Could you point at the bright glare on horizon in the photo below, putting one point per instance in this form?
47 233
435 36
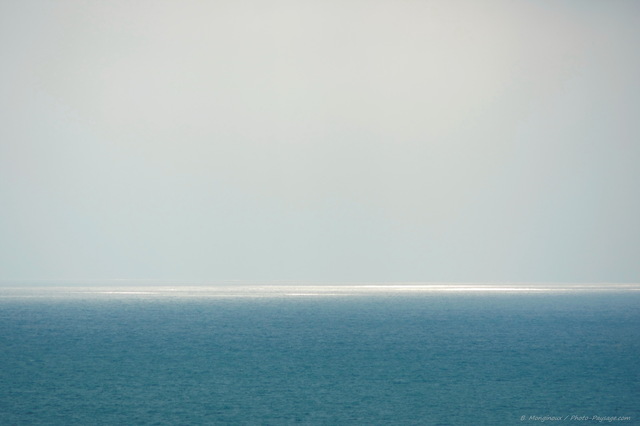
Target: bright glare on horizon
245 291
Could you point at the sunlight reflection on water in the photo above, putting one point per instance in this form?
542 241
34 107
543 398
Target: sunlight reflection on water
294 290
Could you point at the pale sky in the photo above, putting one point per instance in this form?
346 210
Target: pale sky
484 141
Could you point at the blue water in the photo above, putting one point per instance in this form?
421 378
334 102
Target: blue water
428 359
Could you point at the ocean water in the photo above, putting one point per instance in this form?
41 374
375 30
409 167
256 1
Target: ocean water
325 355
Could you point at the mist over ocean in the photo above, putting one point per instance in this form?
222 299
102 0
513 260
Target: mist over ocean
311 354
336 141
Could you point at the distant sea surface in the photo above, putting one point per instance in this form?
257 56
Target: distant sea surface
325 355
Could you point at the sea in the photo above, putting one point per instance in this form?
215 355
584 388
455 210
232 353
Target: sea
170 353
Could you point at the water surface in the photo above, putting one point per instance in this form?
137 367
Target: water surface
296 354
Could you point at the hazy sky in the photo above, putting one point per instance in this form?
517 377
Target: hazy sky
320 140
